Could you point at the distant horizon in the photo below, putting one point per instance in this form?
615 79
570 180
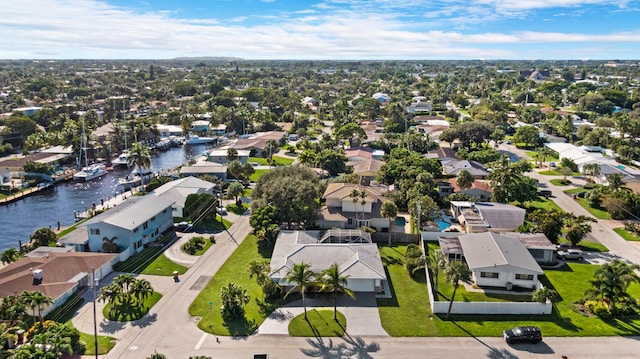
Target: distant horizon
321 29
230 58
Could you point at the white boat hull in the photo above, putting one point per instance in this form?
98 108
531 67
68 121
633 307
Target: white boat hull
90 173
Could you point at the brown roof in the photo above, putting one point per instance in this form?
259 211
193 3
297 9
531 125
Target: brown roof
370 165
342 191
476 184
58 272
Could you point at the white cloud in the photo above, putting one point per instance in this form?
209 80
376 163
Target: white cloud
94 29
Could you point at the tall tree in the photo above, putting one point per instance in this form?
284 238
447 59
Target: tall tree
140 156
232 154
301 276
10 255
464 179
234 298
611 281
455 272
332 282
260 271
389 211
438 262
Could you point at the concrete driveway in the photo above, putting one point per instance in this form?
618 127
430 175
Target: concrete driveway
361 314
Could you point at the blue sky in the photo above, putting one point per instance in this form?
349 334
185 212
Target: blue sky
320 29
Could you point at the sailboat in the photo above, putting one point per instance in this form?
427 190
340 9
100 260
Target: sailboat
123 158
89 172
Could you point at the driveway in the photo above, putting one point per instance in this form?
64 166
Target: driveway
361 314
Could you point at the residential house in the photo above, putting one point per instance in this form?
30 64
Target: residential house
364 162
256 144
178 191
205 168
54 273
220 155
479 191
343 211
134 223
200 126
357 258
495 260
477 217
169 130
383 98
453 167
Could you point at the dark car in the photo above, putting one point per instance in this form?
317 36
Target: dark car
528 334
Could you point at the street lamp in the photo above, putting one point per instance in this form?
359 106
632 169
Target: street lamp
95 321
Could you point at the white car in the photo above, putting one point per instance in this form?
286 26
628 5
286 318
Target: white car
570 254
221 210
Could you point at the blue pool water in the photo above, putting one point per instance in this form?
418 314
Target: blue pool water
442 225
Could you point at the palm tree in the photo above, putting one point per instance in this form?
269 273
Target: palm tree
141 289
9 256
438 262
12 308
544 154
332 282
616 182
232 154
354 198
35 300
140 156
302 276
545 294
8 336
591 169
110 294
125 281
260 271
389 211
611 280
456 271
109 245
234 298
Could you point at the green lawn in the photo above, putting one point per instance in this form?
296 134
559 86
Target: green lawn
628 236
408 312
257 174
104 344
559 182
219 224
70 229
592 246
164 266
130 310
541 203
319 323
596 212
204 249
235 270
575 190
277 161
445 290
239 210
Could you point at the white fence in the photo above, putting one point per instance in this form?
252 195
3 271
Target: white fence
440 307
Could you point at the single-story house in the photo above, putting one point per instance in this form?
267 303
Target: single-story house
488 216
220 155
454 167
55 274
178 191
359 260
205 168
479 190
496 260
200 126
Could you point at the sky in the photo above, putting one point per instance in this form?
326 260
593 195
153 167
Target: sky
320 29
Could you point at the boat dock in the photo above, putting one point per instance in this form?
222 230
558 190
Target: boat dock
25 193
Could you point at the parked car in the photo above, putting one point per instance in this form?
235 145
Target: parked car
183 226
544 193
570 254
508 142
563 246
553 165
529 334
222 210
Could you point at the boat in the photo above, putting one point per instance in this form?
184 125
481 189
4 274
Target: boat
197 140
121 160
135 178
90 173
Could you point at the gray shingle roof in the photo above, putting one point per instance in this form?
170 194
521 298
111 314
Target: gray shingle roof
486 250
133 212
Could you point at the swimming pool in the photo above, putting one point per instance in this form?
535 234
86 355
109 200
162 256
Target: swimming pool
442 225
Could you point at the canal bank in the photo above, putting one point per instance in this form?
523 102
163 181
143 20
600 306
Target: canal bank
18 220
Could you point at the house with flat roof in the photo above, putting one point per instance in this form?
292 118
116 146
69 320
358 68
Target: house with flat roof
477 217
220 155
352 251
178 191
205 168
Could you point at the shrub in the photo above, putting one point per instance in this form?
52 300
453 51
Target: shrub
194 244
597 308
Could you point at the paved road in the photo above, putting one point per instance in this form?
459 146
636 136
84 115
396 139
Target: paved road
601 230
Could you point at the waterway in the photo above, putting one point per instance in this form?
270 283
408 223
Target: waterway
19 219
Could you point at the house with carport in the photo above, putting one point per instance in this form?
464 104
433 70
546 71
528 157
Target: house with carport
178 191
352 250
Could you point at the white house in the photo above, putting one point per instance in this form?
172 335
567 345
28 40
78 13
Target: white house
220 155
134 223
200 126
178 191
488 216
500 261
360 261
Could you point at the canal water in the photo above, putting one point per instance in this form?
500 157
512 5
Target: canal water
19 219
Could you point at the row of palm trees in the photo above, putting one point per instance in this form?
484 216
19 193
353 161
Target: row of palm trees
329 281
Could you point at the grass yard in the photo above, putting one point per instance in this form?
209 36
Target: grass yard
257 174
220 224
408 312
130 310
589 246
277 161
319 323
559 182
235 270
239 210
104 344
574 190
204 249
541 203
164 266
445 290
626 235
596 212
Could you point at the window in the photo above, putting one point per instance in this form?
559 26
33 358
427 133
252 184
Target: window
524 276
136 229
153 218
164 210
95 230
489 275
145 225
